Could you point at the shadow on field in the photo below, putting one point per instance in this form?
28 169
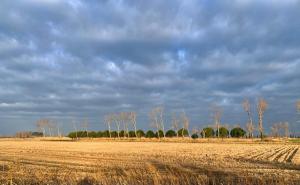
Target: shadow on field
271 164
219 176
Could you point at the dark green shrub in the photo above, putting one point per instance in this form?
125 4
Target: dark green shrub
131 133
72 135
140 133
81 134
183 133
195 136
150 134
223 132
159 134
122 133
237 132
99 134
114 134
208 132
37 134
171 133
92 134
105 133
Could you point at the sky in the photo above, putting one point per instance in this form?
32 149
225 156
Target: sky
75 60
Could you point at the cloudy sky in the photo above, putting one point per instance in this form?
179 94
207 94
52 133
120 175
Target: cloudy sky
78 59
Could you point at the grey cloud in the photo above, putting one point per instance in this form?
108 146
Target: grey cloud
78 59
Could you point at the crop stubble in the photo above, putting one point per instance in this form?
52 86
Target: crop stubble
149 162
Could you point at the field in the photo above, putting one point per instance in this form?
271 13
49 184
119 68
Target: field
113 162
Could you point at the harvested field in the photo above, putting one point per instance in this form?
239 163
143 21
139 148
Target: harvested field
55 162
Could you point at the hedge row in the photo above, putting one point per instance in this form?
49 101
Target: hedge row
206 132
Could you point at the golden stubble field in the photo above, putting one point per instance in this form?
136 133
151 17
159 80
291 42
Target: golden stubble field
112 162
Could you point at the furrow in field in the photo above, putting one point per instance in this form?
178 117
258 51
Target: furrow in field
285 156
249 153
258 155
295 157
271 155
280 154
276 154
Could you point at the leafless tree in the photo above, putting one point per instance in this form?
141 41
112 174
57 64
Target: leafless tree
217 113
262 105
85 125
50 125
56 126
160 111
117 120
75 128
154 122
275 129
185 123
124 120
47 124
108 119
280 129
175 123
58 131
203 133
24 134
132 117
285 127
250 126
41 125
157 119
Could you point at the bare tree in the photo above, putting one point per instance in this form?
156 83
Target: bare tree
203 133
124 120
280 129
250 126
154 120
58 131
275 129
185 123
160 111
217 113
157 120
85 125
285 127
262 105
47 124
132 117
175 123
127 121
41 126
117 119
108 119
50 125
75 128
56 126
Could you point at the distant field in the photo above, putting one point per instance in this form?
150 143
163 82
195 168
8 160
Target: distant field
85 162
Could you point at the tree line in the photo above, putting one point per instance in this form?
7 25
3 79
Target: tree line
124 125
207 132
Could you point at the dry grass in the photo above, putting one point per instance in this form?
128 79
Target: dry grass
95 162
